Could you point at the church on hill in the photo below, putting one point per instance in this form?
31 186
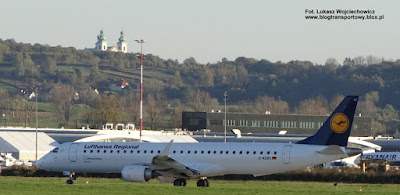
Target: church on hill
101 44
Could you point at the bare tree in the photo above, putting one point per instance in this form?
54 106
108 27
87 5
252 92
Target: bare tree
373 60
62 98
88 96
360 60
130 104
199 100
389 113
108 110
367 107
30 109
266 103
317 105
4 98
377 128
335 101
176 117
372 96
89 115
154 108
331 61
19 104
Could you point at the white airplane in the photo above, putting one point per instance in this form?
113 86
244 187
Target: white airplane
393 158
177 162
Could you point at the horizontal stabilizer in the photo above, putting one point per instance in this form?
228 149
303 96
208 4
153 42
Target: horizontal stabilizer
331 150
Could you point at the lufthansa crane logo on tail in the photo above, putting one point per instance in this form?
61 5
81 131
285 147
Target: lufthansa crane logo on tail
339 123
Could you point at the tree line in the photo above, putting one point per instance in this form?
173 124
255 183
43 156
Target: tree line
253 86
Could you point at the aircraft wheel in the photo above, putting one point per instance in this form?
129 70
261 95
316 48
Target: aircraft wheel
180 182
207 183
183 182
69 181
177 182
203 183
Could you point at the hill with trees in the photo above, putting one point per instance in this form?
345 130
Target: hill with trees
79 87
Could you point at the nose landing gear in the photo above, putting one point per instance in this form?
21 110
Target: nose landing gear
71 178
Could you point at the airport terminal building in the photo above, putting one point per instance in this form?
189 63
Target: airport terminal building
266 123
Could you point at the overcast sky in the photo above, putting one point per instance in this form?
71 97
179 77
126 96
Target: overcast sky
209 30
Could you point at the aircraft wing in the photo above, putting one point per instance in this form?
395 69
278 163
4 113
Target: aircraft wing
167 166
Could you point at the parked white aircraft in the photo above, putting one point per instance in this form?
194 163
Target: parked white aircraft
393 158
177 162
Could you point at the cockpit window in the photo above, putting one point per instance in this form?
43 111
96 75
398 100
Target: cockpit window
55 150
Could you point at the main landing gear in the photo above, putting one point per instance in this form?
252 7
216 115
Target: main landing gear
180 182
203 182
71 178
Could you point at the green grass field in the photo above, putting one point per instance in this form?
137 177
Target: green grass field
8 87
30 185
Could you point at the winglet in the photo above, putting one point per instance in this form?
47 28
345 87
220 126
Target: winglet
167 149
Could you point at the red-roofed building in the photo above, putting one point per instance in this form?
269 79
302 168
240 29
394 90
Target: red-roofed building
118 85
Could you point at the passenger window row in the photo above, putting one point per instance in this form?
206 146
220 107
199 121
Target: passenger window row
223 152
181 152
118 151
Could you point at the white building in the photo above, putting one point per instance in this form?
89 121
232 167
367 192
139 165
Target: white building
102 44
22 145
122 45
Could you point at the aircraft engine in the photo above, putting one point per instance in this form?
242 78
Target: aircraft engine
137 173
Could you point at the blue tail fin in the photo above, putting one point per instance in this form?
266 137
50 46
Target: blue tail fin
336 129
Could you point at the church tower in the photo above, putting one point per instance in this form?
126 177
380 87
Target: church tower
122 44
101 44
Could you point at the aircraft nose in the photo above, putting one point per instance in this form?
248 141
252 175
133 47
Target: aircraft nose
41 162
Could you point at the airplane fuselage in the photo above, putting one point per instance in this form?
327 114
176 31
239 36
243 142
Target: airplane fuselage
210 159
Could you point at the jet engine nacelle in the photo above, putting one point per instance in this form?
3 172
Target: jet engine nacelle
137 173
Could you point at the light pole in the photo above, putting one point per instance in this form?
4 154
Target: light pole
225 98
141 41
36 125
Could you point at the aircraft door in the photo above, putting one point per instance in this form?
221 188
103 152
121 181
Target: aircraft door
73 152
286 154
